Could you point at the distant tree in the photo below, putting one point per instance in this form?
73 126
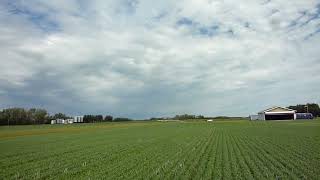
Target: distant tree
99 118
314 109
31 115
120 119
108 118
184 117
300 108
92 118
15 116
60 116
156 118
21 116
41 116
310 107
87 119
200 117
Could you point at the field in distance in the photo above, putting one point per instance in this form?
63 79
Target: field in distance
162 150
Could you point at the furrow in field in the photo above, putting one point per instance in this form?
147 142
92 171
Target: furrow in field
170 166
180 163
290 159
241 171
210 166
72 161
217 172
256 157
246 155
91 157
136 171
35 162
273 156
76 162
246 170
169 153
125 162
234 163
303 149
182 167
157 171
42 154
297 146
269 167
227 168
185 165
203 162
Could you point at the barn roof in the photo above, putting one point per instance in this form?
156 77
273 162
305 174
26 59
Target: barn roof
276 108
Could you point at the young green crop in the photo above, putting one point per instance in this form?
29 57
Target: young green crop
162 150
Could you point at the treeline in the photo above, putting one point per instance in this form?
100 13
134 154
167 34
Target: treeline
99 118
21 116
187 116
121 119
195 117
180 117
96 118
309 107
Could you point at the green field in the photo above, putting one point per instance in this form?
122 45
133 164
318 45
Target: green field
162 150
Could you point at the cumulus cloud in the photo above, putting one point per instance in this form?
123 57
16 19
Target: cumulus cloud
141 58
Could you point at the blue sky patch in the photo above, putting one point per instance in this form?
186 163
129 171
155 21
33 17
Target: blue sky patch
40 20
185 21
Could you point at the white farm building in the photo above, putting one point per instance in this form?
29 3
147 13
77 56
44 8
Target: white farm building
76 119
275 113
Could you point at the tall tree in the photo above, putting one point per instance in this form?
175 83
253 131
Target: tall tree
41 116
310 107
108 118
60 116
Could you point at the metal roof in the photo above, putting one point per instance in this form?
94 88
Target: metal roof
275 107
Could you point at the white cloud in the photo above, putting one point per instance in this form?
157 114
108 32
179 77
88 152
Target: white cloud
133 58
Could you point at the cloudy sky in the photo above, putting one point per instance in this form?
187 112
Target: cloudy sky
144 58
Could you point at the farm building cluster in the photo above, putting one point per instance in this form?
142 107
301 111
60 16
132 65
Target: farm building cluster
76 119
280 113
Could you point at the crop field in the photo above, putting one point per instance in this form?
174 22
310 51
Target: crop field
162 150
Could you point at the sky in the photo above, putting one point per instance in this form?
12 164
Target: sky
146 58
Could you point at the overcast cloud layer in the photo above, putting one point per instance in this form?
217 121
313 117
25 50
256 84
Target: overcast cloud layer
144 58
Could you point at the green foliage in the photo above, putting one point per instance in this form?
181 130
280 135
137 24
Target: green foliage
310 107
108 118
20 116
153 150
187 116
60 116
155 118
92 118
40 116
121 119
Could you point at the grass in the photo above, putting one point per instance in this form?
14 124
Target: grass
162 150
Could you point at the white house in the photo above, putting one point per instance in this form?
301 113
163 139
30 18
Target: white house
275 113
